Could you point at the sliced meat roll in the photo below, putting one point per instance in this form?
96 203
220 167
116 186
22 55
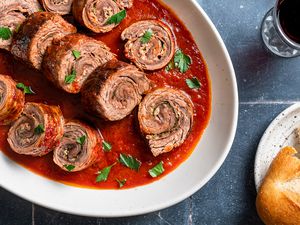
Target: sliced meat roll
150 44
114 90
36 34
124 3
79 148
166 118
12 100
37 131
62 7
69 61
94 14
12 14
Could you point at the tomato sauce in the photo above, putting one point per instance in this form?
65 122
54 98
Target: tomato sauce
124 135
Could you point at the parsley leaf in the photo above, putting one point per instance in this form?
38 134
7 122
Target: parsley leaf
182 61
117 18
26 89
103 174
193 83
121 182
106 146
5 33
147 36
157 170
69 79
39 129
69 167
81 140
76 54
130 162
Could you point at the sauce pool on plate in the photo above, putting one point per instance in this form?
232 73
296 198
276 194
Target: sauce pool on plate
124 135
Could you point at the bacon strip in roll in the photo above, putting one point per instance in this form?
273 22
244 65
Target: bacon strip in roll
12 100
37 131
12 14
36 34
114 90
69 61
94 14
62 7
150 44
79 148
166 118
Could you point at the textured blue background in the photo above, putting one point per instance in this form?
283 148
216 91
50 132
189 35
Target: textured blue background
267 85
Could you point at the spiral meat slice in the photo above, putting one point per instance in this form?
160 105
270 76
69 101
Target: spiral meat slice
114 90
124 3
77 54
79 148
37 131
94 14
166 118
62 7
12 100
150 44
12 14
36 34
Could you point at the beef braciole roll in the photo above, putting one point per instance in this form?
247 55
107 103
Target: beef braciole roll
79 148
94 14
69 61
36 34
124 3
12 14
150 44
62 7
114 90
166 118
12 100
37 131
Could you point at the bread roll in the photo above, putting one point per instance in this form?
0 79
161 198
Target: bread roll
278 200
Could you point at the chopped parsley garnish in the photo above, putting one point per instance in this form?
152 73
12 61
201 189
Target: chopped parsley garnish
39 129
81 140
106 146
5 33
121 182
103 174
130 162
69 79
69 167
193 83
182 61
147 36
26 89
76 54
117 18
157 170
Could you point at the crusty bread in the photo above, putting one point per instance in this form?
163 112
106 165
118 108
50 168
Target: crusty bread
278 200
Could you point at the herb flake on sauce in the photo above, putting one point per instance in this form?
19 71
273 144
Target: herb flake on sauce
69 167
193 83
157 170
182 61
26 89
103 174
130 162
106 146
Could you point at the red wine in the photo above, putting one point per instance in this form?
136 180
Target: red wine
289 17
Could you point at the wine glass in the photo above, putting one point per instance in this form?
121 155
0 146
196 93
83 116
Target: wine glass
275 35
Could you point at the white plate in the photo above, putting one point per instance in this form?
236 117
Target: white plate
178 185
279 134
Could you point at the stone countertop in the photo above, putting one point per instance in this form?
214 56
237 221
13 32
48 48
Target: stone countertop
267 85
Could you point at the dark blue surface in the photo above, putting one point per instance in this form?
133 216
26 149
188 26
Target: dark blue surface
267 85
